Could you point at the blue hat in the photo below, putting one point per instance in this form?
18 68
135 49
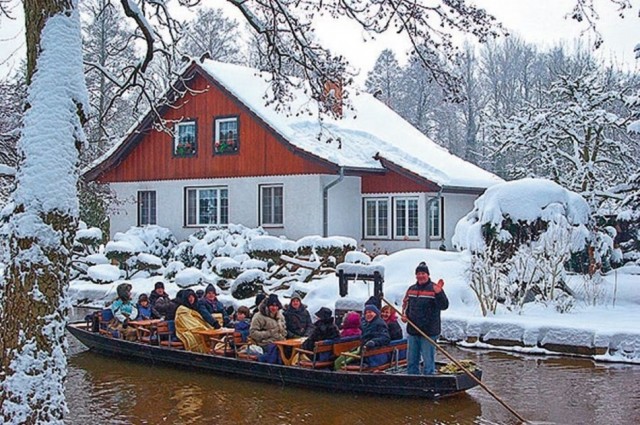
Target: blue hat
371 307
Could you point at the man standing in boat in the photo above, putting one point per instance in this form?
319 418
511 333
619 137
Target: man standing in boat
421 306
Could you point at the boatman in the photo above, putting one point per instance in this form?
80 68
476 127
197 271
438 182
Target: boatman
421 307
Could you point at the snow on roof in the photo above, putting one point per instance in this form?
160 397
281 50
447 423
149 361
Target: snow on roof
370 128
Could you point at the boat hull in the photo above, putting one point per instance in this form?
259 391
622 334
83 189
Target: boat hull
430 387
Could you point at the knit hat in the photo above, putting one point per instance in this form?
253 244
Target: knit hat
422 268
371 307
324 313
210 288
260 297
159 285
296 296
373 300
273 300
143 297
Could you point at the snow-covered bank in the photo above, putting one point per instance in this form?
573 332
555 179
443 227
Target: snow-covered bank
608 331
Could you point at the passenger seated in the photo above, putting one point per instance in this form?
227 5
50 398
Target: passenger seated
242 322
297 318
374 334
188 320
268 326
158 294
351 325
389 316
123 311
323 328
145 311
209 305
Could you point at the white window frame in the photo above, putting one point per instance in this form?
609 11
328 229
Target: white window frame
435 220
150 198
216 136
176 139
407 216
376 234
268 218
221 211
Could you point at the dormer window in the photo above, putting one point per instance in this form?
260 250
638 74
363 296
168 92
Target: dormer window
185 141
225 135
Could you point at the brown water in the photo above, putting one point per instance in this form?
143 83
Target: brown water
541 389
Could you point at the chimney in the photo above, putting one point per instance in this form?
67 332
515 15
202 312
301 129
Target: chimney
332 97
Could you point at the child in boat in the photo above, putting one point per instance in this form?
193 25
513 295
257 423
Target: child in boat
351 325
145 311
242 322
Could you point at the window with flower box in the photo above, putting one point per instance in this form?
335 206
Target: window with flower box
185 142
226 135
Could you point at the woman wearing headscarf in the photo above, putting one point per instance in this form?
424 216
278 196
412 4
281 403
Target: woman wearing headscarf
188 321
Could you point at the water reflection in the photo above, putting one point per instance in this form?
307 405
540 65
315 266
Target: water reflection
542 389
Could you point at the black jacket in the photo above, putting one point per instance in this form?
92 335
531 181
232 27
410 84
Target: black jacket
376 331
322 329
298 321
422 306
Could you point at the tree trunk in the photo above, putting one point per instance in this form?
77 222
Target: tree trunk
38 232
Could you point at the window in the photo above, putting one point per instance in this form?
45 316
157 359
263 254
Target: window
185 142
207 205
271 205
376 218
435 219
406 217
146 207
226 135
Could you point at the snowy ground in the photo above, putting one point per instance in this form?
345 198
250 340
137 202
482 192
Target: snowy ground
611 324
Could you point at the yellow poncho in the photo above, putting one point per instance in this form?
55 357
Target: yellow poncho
188 321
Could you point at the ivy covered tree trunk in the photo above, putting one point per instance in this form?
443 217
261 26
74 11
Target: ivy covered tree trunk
39 223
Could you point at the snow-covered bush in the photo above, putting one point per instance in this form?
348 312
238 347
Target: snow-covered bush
103 273
151 239
228 268
88 240
120 251
248 284
172 269
521 234
189 277
267 248
357 257
333 248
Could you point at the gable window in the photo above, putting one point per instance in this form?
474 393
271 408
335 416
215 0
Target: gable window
207 205
376 218
226 135
146 207
271 205
185 142
406 217
435 219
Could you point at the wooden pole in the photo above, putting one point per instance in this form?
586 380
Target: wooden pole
457 363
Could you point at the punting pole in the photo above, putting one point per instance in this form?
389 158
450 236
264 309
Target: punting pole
457 363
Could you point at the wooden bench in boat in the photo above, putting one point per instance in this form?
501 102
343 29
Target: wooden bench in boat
396 352
325 352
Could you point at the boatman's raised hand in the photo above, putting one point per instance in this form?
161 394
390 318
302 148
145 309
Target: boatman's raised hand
437 288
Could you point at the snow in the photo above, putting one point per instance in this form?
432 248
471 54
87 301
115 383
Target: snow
119 246
189 277
611 324
92 233
104 273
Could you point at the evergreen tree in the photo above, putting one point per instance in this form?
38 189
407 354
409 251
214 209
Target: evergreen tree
382 80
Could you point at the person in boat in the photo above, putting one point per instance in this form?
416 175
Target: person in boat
242 322
351 325
268 324
209 305
323 328
168 308
422 305
158 293
145 311
123 311
374 334
260 296
391 319
297 318
188 320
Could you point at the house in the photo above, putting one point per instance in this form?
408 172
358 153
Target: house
368 175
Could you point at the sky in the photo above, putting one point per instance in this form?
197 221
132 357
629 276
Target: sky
537 21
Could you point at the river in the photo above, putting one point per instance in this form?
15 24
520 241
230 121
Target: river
547 389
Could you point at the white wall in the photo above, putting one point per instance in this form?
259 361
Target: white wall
302 204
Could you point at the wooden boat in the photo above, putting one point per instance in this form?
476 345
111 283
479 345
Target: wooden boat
391 382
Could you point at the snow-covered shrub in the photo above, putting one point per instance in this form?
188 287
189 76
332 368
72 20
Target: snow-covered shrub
189 277
248 284
254 264
521 234
228 268
334 248
120 251
103 273
357 257
172 269
154 240
88 239
267 248
148 263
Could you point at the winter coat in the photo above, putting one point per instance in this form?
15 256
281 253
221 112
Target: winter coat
395 331
322 329
422 307
147 312
206 308
351 325
265 329
376 331
242 326
298 321
154 297
123 310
